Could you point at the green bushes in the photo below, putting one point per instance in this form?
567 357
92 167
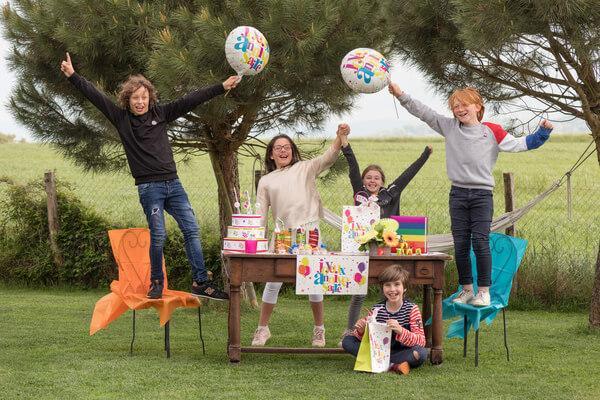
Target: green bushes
26 256
25 253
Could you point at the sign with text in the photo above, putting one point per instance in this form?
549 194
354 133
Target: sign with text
331 274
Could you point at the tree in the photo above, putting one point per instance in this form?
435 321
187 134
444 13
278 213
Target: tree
547 50
179 45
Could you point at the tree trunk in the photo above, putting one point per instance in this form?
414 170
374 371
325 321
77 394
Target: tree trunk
595 303
225 167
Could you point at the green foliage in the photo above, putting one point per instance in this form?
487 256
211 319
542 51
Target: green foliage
25 254
546 49
180 45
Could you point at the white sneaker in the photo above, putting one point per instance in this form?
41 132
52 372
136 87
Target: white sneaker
346 333
261 335
463 297
481 299
318 339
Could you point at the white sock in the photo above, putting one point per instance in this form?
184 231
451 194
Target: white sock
322 327
261 327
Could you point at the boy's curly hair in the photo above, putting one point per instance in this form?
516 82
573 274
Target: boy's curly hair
133 83
467 95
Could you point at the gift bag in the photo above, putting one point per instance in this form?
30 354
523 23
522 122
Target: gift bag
356 221
374 351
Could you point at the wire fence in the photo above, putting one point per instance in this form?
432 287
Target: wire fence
573 227
563 230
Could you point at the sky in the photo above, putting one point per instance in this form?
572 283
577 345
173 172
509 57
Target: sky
373 115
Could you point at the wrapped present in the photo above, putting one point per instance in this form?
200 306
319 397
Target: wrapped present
413 232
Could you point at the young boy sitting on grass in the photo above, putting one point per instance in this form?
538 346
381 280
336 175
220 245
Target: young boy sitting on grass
402 316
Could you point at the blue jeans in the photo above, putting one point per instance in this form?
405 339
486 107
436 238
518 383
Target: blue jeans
398 354
471 212
170 196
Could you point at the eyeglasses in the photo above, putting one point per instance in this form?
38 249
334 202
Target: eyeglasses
285 147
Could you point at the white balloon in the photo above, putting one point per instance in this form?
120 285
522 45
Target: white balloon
247 50
365 70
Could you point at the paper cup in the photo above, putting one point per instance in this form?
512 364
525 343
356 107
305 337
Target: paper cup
250 246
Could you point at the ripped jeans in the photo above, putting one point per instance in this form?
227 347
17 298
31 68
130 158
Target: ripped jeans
170 196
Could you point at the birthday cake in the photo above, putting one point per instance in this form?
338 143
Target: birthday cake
245 226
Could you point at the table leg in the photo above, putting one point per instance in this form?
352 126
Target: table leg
233 348
427 313
436 355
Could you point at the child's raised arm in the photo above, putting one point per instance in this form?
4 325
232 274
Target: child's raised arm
353 169
436 121
509 143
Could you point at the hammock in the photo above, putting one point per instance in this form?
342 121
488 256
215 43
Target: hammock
443 242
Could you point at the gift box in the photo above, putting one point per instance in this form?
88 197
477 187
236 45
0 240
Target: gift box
413 230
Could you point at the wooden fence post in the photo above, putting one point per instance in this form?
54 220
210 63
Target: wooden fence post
52 206
509 205
509 198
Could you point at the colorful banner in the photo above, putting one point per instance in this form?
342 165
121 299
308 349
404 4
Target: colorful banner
413 230
356 221
331 274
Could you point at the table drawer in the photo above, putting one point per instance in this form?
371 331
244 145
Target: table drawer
424 270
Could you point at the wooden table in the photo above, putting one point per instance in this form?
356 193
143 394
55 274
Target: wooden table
426 270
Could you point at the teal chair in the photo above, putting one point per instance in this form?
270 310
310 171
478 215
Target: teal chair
507 253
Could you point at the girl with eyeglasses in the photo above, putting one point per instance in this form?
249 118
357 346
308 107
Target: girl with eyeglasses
290 189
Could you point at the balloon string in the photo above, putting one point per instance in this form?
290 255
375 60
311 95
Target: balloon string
395 107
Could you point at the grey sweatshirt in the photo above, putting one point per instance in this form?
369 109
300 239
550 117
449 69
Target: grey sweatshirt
471 151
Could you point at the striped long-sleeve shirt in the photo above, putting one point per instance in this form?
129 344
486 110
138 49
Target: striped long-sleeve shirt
409 318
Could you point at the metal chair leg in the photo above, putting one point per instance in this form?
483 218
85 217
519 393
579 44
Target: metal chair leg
133 337
505 336
168 339
465 333
200 330
477 347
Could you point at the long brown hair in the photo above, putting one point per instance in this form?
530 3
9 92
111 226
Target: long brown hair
270 163
133 83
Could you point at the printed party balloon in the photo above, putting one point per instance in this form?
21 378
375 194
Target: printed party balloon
365 70
247 50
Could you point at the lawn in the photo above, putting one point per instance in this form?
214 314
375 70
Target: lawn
47 353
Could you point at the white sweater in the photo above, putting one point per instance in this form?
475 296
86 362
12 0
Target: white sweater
292 191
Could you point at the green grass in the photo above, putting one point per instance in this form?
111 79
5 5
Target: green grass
47 353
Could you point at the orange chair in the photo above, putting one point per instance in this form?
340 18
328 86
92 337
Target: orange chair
131 248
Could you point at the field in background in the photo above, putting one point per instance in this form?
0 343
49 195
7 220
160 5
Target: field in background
561 249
